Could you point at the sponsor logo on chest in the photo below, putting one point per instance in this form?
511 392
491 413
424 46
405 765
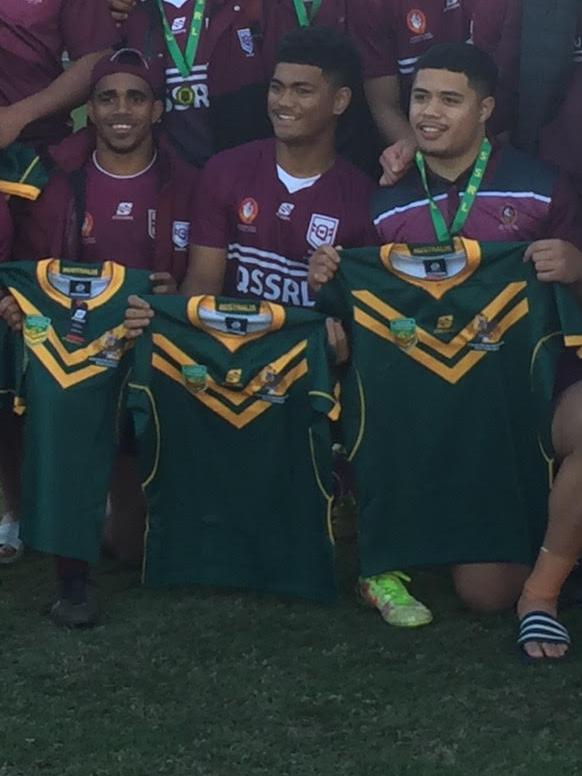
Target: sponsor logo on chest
285 210
179 25
322 230
124 212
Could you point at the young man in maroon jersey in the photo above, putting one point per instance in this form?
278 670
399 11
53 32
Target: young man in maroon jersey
255 230
35 99
35 94
122 193
519 198
494 26
214 73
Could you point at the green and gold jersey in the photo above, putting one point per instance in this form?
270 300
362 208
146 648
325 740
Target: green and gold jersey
447 404
231 403
72 365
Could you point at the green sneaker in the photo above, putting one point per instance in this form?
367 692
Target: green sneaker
388 594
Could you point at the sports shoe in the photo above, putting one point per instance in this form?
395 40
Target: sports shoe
388 594
76 606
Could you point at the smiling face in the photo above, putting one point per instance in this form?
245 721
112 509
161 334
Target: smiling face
447 114
304 103
123 109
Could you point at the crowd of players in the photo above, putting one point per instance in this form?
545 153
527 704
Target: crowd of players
160 180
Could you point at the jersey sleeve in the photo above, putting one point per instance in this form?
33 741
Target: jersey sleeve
6 231
371 27
564 221
334 298
210 219
87 27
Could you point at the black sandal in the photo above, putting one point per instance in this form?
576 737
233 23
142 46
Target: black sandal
541 627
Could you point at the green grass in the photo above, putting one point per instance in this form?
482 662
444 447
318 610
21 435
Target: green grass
191 683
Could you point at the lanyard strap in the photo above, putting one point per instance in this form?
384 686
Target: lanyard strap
468 200
305 17
184 61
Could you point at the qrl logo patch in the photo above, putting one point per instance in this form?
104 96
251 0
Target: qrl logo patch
248 210
322 230
246 40
181 234
416 21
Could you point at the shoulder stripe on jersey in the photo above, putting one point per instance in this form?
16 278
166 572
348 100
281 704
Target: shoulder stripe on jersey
408 61
516 195
499 194
409 206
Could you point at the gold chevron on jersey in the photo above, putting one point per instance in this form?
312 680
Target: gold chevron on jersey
68 368
450 360
241 405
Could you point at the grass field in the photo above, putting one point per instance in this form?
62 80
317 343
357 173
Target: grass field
191 683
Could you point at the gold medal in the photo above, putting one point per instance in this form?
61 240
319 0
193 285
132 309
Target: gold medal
185 95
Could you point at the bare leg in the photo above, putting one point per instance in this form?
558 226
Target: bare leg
489 587
125 525
563 540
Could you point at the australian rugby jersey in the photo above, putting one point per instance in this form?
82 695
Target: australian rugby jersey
231 403
447 407
72 362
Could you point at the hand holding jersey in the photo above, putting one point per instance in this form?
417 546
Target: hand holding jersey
120 9
556 261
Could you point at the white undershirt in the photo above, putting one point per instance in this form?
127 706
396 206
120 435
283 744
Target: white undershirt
176 3
293 184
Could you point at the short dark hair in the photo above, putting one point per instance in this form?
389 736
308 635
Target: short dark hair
322 47
476 64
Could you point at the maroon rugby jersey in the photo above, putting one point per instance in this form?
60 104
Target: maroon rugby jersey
33 36
5 231
268 232
227 61
120 217
280 18
496 28
520 199
395 33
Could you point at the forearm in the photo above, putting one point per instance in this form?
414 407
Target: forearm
382 97
67 91
391 123
206 270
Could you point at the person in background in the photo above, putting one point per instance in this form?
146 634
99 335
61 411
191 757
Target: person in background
210 53
36 94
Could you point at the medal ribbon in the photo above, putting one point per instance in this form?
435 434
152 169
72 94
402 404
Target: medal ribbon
184 61
303 16
443 234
